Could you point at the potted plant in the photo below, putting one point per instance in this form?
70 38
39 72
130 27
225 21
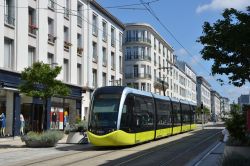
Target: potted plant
76 133
44 139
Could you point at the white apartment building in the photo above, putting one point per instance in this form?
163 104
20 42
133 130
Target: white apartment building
79 35
225 105
145 55
215 105
203 93
184 81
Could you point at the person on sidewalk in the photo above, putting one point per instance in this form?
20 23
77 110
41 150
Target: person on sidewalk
22 124
225 134
3 124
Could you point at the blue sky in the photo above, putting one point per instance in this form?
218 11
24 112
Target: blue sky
184 19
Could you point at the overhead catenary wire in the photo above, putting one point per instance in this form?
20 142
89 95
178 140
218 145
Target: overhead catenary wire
151 11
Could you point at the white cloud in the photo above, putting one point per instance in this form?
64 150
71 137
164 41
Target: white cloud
181 52
222 4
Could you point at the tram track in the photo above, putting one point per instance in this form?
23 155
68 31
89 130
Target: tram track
81 156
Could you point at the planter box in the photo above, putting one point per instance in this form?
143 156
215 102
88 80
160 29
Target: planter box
76 138
241 150
39 144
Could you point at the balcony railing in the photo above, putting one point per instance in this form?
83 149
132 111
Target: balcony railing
32 29
158 83
67 45
9 20
138 57
51 4
51 38
131 39
137 76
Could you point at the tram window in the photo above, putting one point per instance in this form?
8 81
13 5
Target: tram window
143 114
127 118
176 114
163 113
185 114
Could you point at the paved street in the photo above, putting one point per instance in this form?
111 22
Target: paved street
176 150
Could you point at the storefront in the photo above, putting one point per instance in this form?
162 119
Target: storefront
59 111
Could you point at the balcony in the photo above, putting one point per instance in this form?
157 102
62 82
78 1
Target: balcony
51 38
158 83
137 76
51 4
9 20
138 58
79 51
67 45
32 29
141 40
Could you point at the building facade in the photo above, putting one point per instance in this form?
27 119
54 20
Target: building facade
225 105
80 36
215 106
203 93
244 99
184 78
147 59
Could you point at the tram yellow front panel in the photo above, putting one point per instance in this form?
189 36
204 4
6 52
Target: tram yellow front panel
163 132
116 138
144 136
193 126
176 129
185 128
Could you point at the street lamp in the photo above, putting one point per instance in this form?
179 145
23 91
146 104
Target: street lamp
163 81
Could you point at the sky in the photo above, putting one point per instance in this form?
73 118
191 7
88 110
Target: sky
184 19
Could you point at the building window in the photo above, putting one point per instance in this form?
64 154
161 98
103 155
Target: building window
104 56
104 31
120 41
79 14
79 44
67 44
66 70
136 85
136 71
66 9
8 53
79 74
94 72
51 4
50 59
32 21
94 25
112 60
143 86
112 80
120 64
51 37
112 36
104 79
94 45
31 55
9 12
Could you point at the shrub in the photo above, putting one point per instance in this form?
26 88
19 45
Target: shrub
79 127
45 139
234 159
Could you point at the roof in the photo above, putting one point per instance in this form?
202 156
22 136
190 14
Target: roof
107 13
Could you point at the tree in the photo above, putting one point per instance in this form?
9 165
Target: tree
227 43
40 81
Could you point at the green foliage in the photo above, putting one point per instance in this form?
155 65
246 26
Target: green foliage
44 139
227 43
40 81
234 159
78 127
236 125
206 110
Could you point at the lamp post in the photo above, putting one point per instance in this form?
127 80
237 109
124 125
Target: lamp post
163 81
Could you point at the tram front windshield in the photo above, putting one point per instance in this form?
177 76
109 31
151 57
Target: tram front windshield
104 113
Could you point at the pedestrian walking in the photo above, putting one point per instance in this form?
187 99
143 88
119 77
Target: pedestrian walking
3 124
22 124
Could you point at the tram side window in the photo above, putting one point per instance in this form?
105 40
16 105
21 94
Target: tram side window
193 108
163 114
176 114
185 114
127 110
143 114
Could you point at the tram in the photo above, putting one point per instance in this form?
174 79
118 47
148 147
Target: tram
121 116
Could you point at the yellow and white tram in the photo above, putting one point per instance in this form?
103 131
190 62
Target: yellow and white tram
122 116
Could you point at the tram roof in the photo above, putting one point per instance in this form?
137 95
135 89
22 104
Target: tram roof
136 91
161 97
